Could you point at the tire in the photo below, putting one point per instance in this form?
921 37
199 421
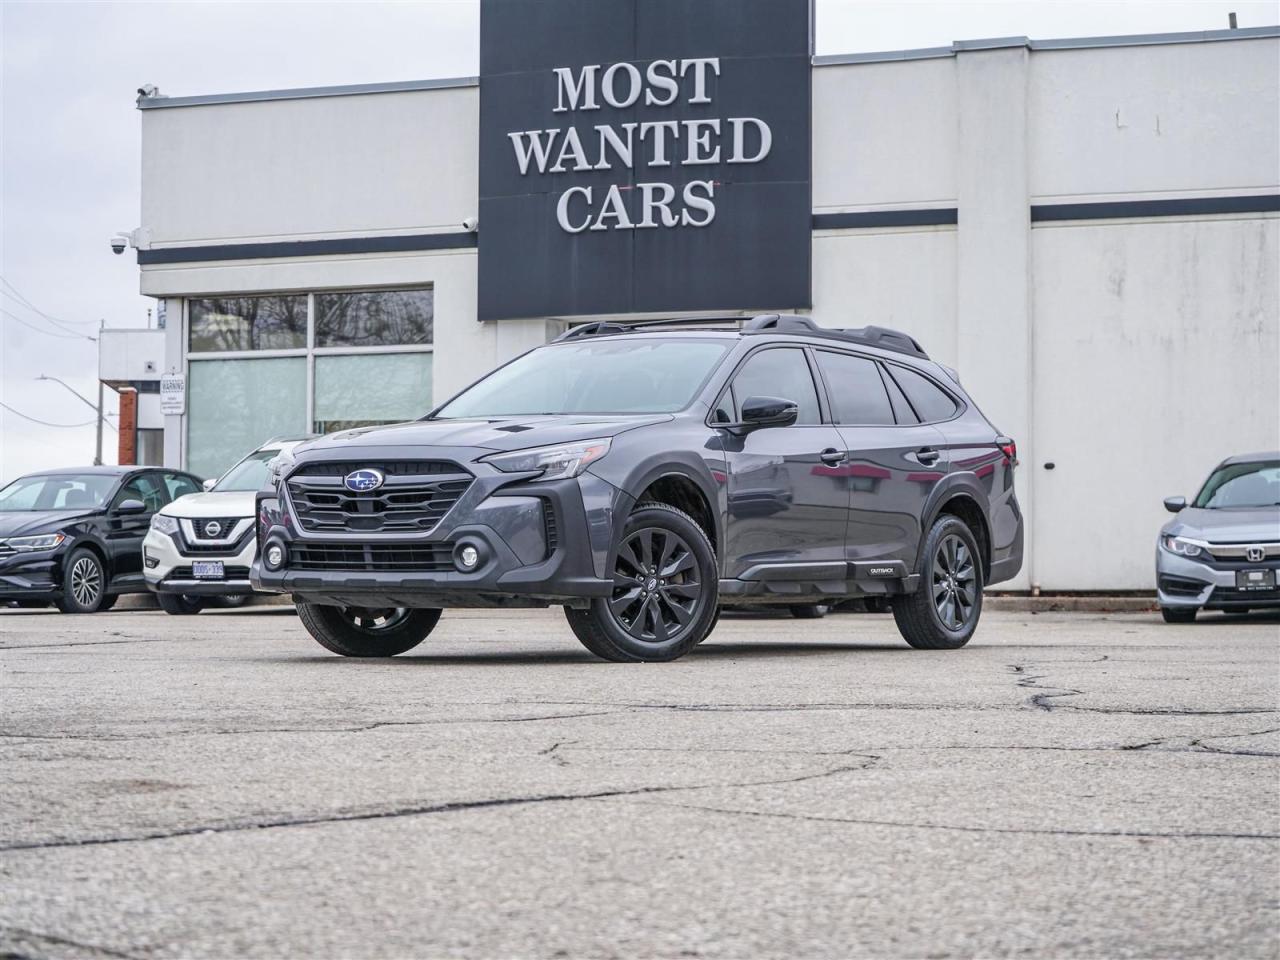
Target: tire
714 623
642 623
108 602
943 612
180 604
365 632
809 611
1179 614
231 601
84 583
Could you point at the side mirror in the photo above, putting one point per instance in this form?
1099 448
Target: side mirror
131 506
1174 504
208 484
768 412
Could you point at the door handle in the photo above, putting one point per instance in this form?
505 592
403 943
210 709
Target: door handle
831 456
928 456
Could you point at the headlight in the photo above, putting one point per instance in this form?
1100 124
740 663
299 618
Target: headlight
161 523
46 541
277 467
1183 547
556 463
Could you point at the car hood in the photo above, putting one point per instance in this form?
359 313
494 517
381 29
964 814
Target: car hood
497 433
1245 525
23 523
231 503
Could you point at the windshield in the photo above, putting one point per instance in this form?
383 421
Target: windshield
1242 485
65 491
600 376
249 474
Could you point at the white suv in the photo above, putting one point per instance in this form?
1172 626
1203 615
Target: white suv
200 546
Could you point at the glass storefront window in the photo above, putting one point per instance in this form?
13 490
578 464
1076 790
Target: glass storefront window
234 406
360 390
375 318
248 323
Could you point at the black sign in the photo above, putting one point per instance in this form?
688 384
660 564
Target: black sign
643 156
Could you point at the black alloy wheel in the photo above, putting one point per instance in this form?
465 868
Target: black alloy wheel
655 585
665 596
955 583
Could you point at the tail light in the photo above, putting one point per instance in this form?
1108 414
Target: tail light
1009 448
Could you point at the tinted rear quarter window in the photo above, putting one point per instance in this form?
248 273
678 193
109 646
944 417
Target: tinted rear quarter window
857 393
931 402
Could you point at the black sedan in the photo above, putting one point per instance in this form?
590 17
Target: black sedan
73 537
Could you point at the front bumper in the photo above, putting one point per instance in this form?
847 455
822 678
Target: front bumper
32 576
167 567
1189 584
539 543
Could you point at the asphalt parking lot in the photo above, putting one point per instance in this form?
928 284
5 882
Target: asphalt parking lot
1069 785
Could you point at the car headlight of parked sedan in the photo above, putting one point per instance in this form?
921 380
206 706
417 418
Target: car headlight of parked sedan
45 541
558 462
1182 546
161 523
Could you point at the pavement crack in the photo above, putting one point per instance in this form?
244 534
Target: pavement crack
50 939
961 828
421 810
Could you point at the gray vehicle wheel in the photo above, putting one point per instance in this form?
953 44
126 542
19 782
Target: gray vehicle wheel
367 631
1178 614
179 604
943 613
84 583
666 591
231 601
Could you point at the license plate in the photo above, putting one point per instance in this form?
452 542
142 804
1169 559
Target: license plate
1255 579
207 570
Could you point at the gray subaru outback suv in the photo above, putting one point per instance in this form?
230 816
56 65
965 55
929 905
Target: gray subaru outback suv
642 476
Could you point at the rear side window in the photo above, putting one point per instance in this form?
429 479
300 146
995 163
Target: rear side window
782 373
857 393
901 408
931 402
179 485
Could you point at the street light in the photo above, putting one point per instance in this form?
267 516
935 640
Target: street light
97 456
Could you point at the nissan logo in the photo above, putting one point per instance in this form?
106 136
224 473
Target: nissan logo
362 481
1255 554
212 528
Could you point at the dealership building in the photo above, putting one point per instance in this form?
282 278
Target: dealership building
1088 230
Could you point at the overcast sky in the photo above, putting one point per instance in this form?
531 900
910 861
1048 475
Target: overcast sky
69 156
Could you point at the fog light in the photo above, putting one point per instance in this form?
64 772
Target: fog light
274 556
468 557
150 561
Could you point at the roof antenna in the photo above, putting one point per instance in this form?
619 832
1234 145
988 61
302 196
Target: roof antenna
1231 19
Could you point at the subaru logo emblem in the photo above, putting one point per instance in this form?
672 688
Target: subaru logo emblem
362 481
212 528
1256 554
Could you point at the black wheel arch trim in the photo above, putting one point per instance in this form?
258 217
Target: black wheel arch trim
950 487
687 467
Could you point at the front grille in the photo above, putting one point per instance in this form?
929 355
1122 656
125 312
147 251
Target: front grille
1182 586
1233 595
368 557
222 527
228 573
1240 551
549 530
413 497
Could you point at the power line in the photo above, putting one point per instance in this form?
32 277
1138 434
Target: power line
46 423
48 333
67 426
18 297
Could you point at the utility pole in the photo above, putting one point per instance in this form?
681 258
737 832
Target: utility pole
97 455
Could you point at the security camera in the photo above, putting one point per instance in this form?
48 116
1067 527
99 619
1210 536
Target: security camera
148 90
118 243
471 224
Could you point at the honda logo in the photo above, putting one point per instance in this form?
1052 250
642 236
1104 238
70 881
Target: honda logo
1255 554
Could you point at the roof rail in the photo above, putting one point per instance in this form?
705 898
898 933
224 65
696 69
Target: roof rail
882 338
601 328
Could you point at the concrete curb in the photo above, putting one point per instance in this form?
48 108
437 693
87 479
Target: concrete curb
1097 603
